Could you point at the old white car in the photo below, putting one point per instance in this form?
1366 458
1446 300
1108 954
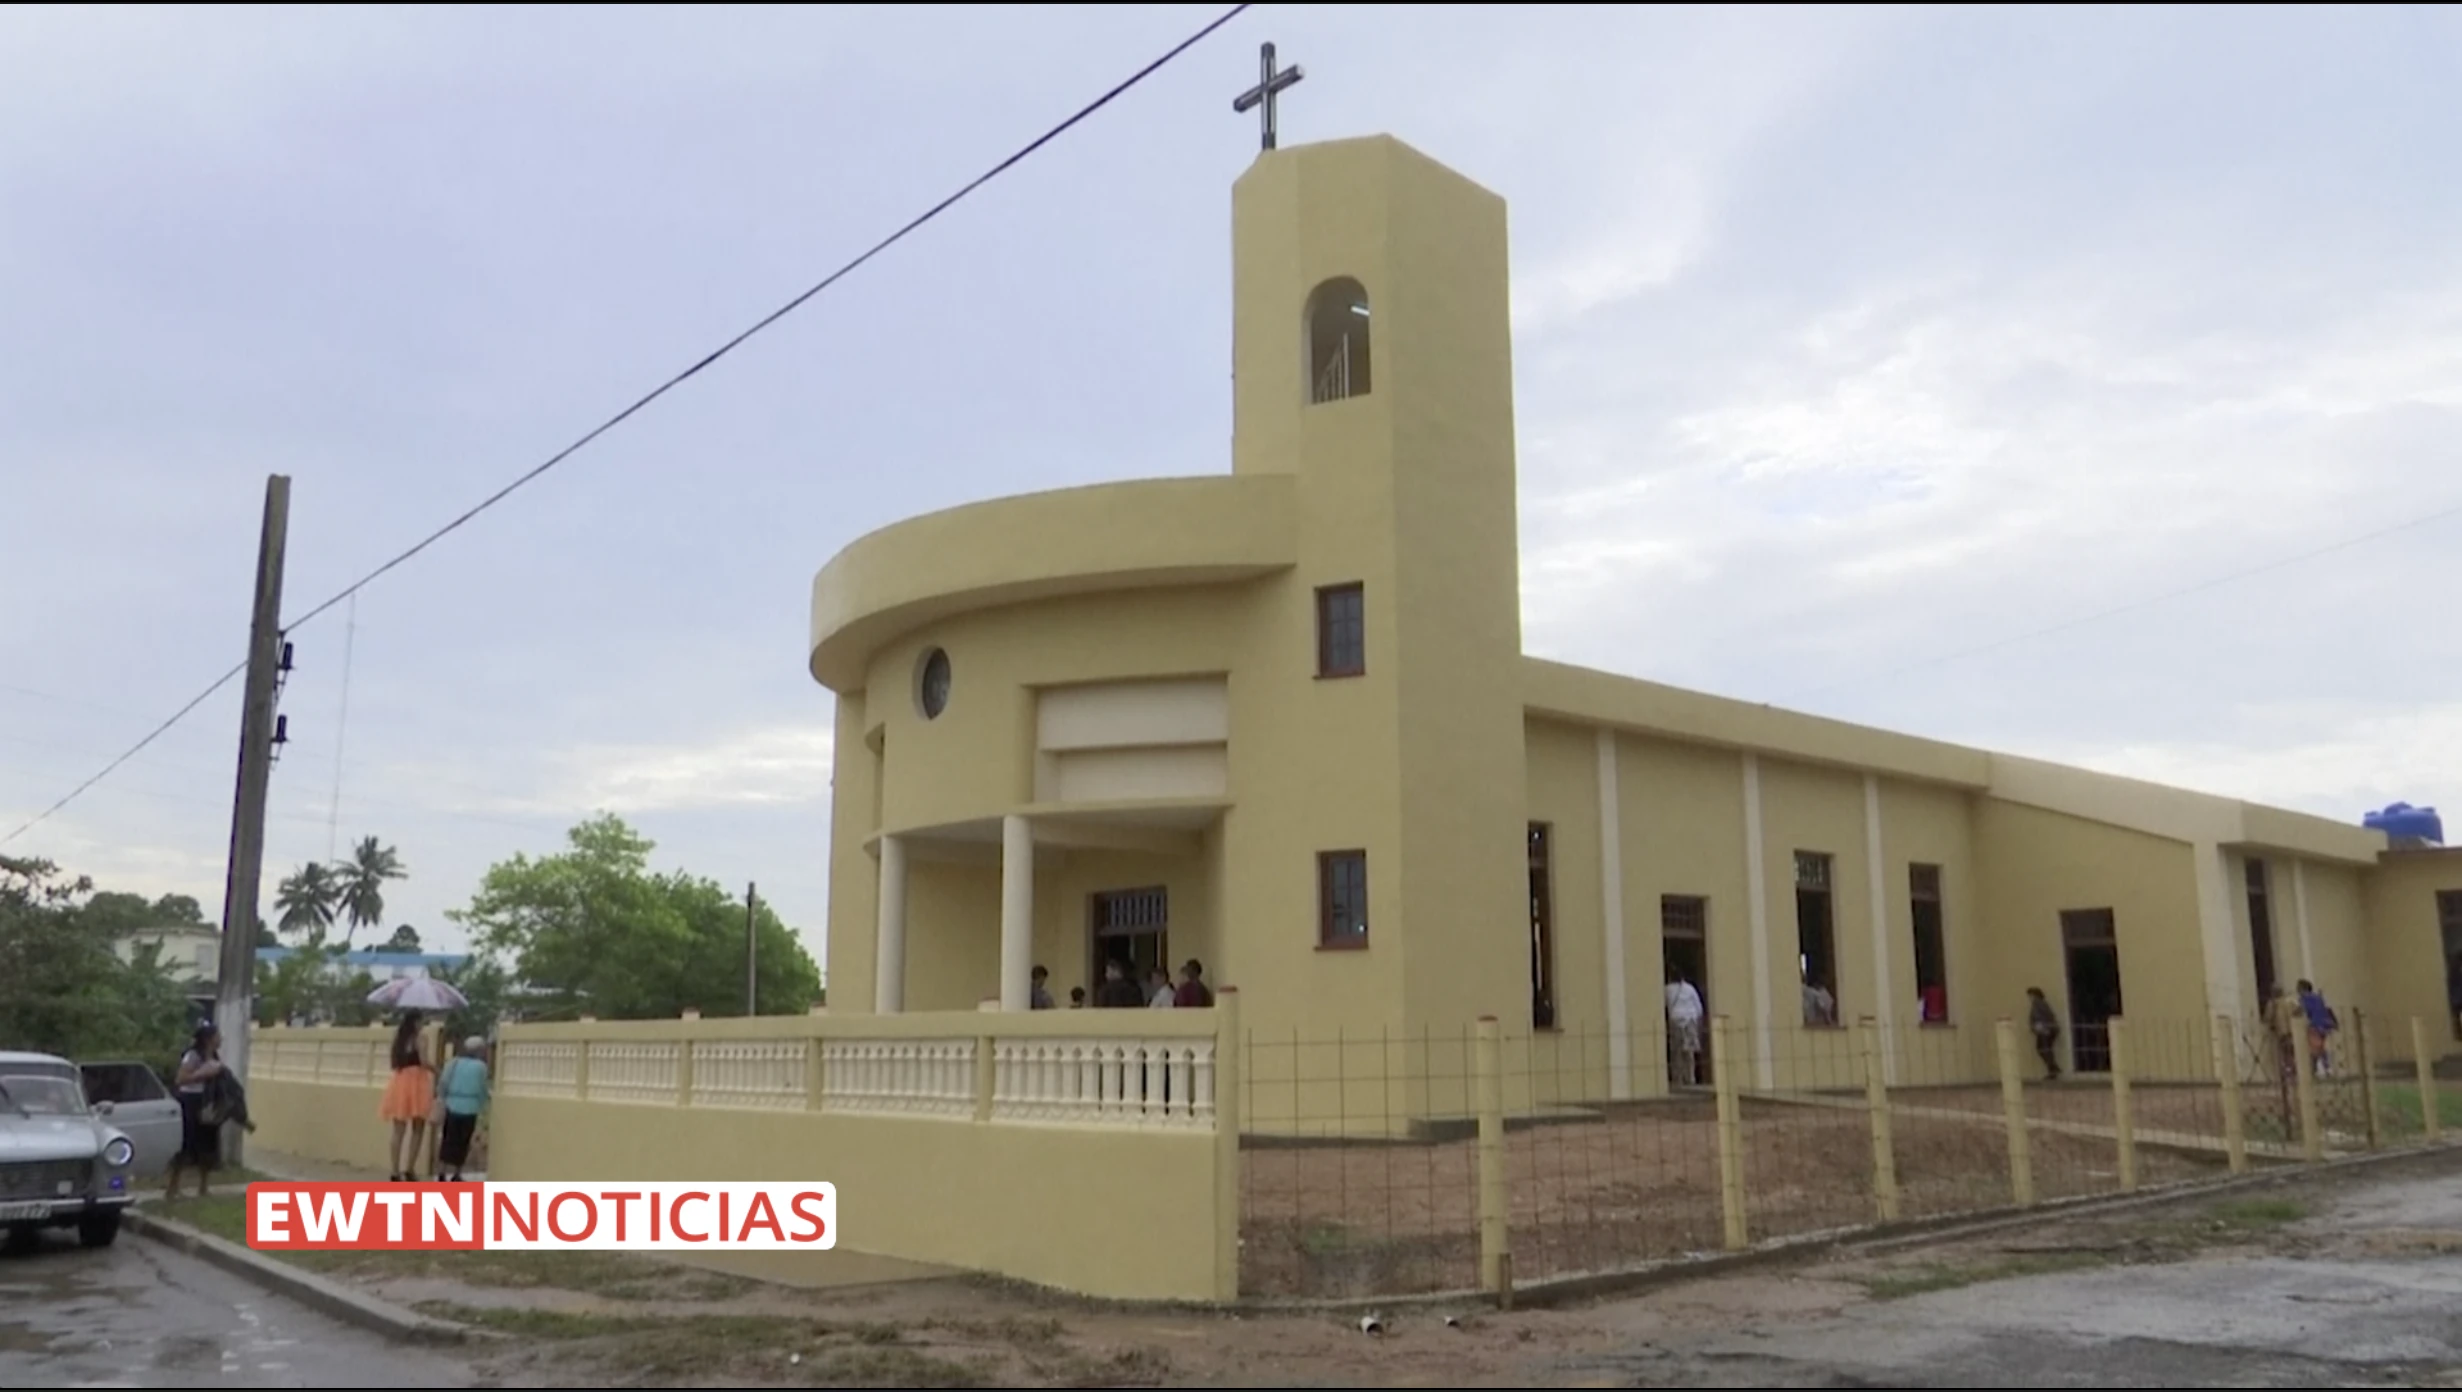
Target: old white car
62 1163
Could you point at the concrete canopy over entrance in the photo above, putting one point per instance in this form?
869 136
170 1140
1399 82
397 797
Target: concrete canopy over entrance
1016 843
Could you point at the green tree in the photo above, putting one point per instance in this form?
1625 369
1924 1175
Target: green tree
404 939
63 989
488 988
294 988
592 929
307 900
180 909
360 884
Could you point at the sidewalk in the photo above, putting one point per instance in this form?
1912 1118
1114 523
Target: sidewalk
275 1164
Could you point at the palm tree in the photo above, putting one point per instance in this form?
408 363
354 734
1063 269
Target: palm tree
307 901
361 884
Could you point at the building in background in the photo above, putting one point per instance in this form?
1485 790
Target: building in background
1280 720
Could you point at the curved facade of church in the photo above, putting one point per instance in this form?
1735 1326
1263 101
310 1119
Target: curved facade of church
1280 721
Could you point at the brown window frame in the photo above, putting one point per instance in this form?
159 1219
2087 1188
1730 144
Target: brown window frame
1326 938
1326 595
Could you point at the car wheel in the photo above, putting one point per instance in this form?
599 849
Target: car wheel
97 1229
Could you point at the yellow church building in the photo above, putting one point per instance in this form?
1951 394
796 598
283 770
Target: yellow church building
1280 721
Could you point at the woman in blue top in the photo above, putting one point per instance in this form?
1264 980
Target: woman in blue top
461 1093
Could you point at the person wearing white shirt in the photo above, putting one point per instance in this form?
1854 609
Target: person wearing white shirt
1684 1013
1160 993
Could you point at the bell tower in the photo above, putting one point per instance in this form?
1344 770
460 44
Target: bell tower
1373 362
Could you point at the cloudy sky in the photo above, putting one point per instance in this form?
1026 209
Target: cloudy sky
1921 367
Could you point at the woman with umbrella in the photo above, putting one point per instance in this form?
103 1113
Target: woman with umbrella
411 1095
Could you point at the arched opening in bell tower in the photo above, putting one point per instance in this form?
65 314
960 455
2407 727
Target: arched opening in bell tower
1337 340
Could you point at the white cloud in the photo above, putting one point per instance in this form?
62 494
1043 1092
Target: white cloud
763 767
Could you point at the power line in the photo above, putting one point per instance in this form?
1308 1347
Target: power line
672 383
176 716
2145 602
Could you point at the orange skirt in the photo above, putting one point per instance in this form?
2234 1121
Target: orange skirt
410 1095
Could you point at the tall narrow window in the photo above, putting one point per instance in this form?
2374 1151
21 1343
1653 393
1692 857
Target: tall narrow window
2449 925
2261 932
1337 340
1923 886
1816 938
1542 933
1341 631
1342 899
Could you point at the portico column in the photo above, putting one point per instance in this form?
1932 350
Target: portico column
889 941
1016 913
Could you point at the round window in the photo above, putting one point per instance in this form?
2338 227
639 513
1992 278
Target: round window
932 684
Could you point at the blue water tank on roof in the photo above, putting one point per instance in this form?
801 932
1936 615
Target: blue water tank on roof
2407 824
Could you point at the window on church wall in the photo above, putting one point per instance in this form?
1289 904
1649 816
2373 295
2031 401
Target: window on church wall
1342 899
2449 925
1337 340
1341 631
2261 931
1542 932
1931 943
1816 938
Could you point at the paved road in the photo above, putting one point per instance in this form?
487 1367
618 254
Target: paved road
2367 1293
138 1314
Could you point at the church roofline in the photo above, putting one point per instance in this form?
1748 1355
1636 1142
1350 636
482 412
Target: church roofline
1588 696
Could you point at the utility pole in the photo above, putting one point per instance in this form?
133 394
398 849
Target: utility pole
233 1008
752 948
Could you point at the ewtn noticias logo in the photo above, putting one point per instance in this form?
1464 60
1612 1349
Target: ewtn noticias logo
664 1217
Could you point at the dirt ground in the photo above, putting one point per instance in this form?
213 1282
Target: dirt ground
1641 1184
619 1320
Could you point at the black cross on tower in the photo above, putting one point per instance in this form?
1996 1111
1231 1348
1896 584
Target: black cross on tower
1270 84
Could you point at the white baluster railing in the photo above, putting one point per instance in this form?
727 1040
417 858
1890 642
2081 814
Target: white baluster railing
526 1068
766 1074
637 1073
906 1077
1105 1082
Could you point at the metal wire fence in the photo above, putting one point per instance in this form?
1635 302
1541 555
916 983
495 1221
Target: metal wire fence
1382 1164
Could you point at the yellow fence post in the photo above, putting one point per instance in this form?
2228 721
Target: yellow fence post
2425 1065
2013 1109
2364 1058
1229 1115
2225 1040
2304 1088
1488 1069
2124 1109
1876 1103
1723 1066
683 1063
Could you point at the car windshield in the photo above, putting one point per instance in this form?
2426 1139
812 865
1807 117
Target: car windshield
40 1096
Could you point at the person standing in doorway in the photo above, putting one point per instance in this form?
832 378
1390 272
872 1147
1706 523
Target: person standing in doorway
1041 997
1159 993
2045 1025
1117 992
1684 1011
1193 994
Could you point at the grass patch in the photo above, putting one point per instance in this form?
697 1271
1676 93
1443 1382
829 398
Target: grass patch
1931 1277
2403 1115
2248 1214
688 1350
608 1275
